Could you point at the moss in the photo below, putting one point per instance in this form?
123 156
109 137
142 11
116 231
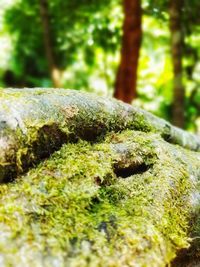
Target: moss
124 199
72 210
35 120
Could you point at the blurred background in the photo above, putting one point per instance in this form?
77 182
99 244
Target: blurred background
144 52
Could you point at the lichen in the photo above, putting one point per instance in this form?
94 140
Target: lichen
73 210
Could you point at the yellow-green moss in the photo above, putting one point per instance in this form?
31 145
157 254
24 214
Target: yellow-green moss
36 122
72 210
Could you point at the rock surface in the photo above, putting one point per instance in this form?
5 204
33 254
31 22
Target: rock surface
117 193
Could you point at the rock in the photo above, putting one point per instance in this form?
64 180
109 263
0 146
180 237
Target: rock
117 193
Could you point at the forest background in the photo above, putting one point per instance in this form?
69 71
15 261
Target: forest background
143 52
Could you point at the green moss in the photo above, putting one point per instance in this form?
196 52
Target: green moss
141 124
72 210
36 122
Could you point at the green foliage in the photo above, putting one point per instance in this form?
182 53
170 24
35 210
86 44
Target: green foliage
158 11
79 30
27 63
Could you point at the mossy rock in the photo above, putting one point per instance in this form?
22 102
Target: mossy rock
36 122
126 197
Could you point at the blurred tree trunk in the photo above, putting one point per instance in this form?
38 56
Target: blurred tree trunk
54 72
177 41
126 80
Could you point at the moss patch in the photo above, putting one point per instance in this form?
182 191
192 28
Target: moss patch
36 122
73 210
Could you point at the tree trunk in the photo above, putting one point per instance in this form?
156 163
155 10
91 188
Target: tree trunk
126 80
48 44
177 40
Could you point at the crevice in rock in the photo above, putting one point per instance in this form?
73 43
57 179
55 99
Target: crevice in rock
130 170
186 258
